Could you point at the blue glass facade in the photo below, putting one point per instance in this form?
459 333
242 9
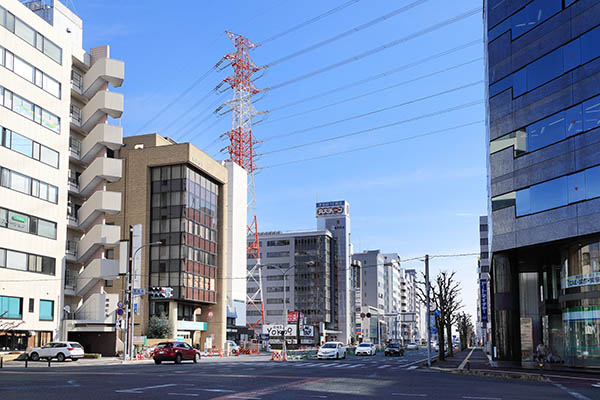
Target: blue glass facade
543 60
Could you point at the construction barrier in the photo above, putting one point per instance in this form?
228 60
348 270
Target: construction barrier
276 355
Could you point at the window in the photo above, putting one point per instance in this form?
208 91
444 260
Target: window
47 229
108 283
26 223
31 305
483 241
22 183
278 242
279 254
29 110
28 147
528 18
11 307
46 310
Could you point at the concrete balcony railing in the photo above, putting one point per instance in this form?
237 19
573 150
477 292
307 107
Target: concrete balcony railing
71 250
104 70
103 135
103 103
99 309
99 236
98 203
109 169
97 269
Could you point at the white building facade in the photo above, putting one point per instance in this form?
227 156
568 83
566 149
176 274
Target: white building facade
55 157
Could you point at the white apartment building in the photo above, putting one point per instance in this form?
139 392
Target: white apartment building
55 156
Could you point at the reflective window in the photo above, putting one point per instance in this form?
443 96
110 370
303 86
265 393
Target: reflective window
11 307
589 45
29 110
16 260
29 72
526 19
21 144
592 182
47 229
24 184
591 113
46 310
546 131
576 187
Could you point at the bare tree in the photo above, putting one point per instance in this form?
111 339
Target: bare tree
465 329
443 298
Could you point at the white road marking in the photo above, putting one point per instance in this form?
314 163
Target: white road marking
184 394
356 366
412 367
243 397
179 372
464 362
596 385
141 390
481 398
384 366
215 390
574 394
409 394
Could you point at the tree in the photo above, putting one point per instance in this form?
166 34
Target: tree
443 298
465 329
159 327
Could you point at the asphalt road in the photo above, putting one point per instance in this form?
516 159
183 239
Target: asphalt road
253 379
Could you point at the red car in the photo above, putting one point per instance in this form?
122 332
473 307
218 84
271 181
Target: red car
175 351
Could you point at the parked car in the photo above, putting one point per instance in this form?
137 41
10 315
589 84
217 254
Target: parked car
334 350
235 349
59 350
394 349
366 349
412 346
435 346
175 351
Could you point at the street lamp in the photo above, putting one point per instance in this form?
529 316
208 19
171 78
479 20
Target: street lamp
130 297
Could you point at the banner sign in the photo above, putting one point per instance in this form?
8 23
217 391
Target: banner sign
331 208
592 278
483 298
307 330
277 330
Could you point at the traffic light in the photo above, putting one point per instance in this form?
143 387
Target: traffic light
160 292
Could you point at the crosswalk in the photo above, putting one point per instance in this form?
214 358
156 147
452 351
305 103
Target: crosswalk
314 364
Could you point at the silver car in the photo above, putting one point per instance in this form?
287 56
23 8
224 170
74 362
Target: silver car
332 350
59 350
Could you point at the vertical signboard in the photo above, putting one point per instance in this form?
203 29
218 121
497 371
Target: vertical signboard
137 263
483 299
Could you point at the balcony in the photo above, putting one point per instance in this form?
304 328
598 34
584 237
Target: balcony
71 250
104 70
109 169
103 103
98 269
103 135
74 148
96 314
98 203
70 282
99 236
73 185
73 222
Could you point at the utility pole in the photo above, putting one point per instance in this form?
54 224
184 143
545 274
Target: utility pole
427 289
128 295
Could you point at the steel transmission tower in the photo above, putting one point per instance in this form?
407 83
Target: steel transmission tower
241 151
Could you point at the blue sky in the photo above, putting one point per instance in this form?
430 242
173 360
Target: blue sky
417 196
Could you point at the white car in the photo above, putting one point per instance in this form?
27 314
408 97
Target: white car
412 346
332 350
366 349
59 350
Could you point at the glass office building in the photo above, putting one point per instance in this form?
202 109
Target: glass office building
543 65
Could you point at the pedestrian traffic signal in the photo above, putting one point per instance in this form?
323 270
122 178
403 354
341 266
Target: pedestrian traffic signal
368 315
160 292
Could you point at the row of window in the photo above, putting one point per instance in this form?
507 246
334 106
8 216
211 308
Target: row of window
577 119
29 110
568 189
281 242
27 223
27 262
28 147
29 72
279 254
30 186
527 18
567 57
12 308
30 35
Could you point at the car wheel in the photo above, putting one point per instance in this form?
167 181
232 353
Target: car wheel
157 361
344 355
178 358
196 357
60 357
34 356
337 356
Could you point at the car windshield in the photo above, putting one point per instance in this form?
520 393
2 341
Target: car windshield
76 345
413 343
329 346
364 345
394 345
163 345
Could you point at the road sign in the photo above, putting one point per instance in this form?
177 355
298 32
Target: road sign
120 304
120 311
210 314
433 331
437 313
139 291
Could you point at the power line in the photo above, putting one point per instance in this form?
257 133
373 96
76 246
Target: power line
379 48
378 76
308 22
373 92
347 33
375 145
471 84
179 97
204 111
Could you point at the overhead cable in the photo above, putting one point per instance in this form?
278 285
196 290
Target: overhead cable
380 48
320 108
347 33
308 22
374 145
339 121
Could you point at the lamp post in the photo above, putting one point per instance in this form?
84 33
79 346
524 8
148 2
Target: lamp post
130 296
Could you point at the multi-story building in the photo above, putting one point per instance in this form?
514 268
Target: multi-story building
373 302
410 306
55 157
392 289
180 196
543 70
483 325
355 299
334 216
310 260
